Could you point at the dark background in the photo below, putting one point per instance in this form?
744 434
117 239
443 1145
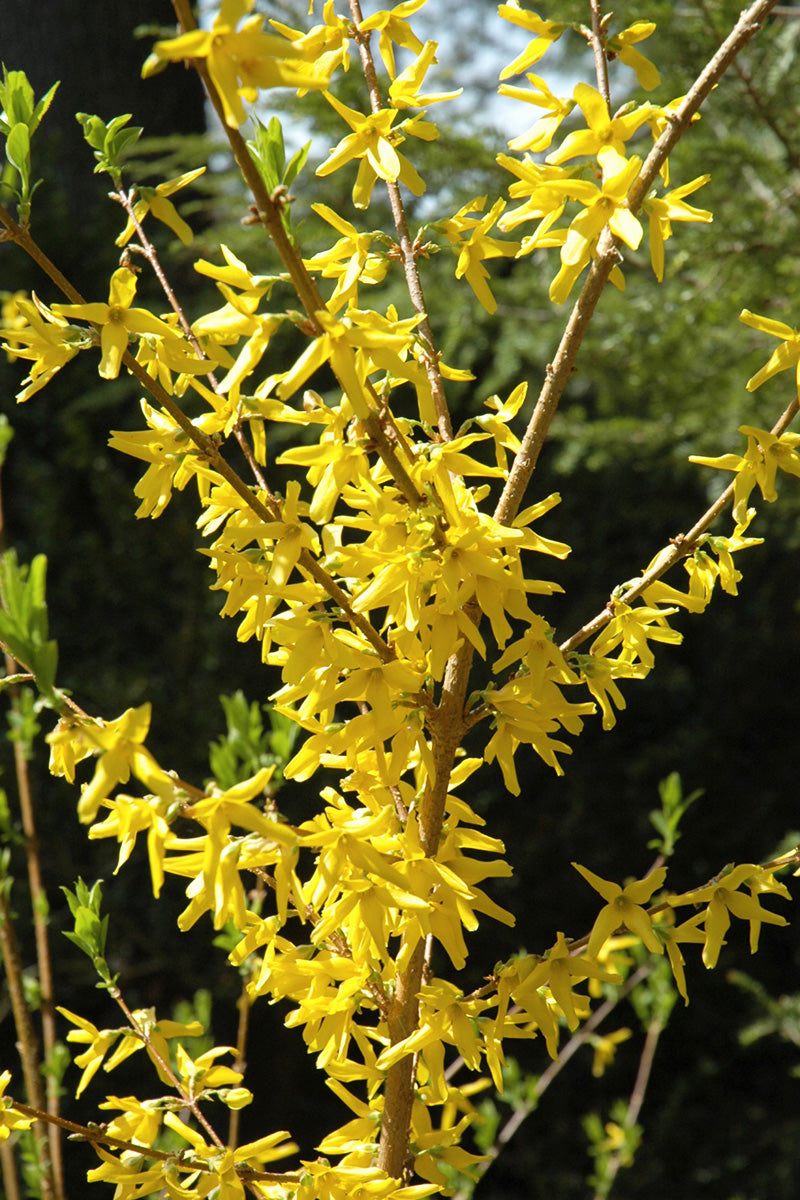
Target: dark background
661 375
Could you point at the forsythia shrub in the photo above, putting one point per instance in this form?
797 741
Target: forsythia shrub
401 551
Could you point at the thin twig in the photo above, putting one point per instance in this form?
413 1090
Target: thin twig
406 245
681 546
598 40
27 1039
39 910
654 1031
96 1135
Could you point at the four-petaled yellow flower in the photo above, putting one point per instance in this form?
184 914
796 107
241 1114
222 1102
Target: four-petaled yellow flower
118 320
373 142
663 210
10 1119
621 45
624 908
394 31
43 337
467 233
723 898
606 205
541 133
546 33
606 136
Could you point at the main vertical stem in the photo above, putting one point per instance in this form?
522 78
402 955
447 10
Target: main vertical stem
447 730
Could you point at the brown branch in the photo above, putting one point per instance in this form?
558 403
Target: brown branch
270 216
96 1135
448 725
608 254
598 40
406 245
27 1040
654 1031
682 545
39 910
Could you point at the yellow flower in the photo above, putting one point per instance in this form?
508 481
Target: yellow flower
687 932
98 1041
765 453
155 200
603 206
118 320
632 628
9 1118
723 898
404 92
467 233
394 31
350 261
326 45
546 33
372 141
621 45
40 335
784 358
663 210
240 61
600 675
121 749
606 136
541 133
624 908
605 1048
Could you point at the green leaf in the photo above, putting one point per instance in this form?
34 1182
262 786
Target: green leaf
296 164
18 151
268 153
109 140
42 107
16 97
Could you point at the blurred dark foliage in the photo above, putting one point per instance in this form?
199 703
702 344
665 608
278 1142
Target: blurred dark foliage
661 374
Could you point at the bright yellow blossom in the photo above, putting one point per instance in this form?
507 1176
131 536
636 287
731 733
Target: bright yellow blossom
784 358
155 200
118 320
546 33
621 45
766 453
663 210
240 61
723 898
606 205
404 91
605 137
9 1118
467 233
373 142
624 908
45 338
542 132
394 30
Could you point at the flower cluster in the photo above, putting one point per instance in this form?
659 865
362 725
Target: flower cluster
370 585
